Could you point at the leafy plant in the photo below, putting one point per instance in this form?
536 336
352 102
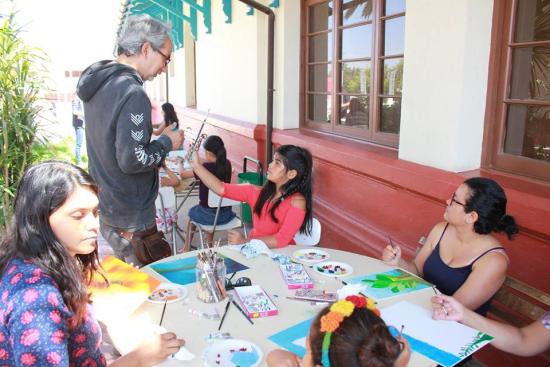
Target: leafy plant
21 81
396 283
474 344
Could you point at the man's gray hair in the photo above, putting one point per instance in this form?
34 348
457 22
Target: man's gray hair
139 29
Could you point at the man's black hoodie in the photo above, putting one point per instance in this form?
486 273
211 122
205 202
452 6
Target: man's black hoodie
121 157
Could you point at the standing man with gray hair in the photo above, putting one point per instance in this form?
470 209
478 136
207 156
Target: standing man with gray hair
122 158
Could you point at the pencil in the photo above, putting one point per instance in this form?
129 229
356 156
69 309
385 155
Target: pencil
242 311
224 313
162 315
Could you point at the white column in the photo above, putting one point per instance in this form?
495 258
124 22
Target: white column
447 44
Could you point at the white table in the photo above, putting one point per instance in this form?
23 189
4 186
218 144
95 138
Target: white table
265 272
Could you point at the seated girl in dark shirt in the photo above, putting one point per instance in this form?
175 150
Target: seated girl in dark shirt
460 256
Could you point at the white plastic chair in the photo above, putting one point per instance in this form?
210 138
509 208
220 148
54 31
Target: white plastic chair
303 239
216 201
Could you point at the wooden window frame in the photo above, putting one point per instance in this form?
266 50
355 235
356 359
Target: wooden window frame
500 69
373 134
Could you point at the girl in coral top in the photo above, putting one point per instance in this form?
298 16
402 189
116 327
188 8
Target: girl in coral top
282 207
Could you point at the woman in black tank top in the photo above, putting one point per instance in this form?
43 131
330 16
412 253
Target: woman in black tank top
460 256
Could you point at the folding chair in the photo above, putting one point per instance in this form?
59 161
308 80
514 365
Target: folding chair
215 201
312 239
167 215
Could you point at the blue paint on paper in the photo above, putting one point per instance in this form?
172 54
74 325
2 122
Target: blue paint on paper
287 337
182 271
445 359
245 359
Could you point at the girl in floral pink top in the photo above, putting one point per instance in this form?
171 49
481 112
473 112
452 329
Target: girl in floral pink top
47 257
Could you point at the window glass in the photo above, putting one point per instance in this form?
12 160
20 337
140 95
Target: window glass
394 7
319 107
393 77
390 115
533 20
530 78
354 11
356 42
528 132
320 17
356 77
394 32
354 111
319 77
320 49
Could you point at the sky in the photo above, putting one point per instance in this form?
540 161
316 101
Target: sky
73 33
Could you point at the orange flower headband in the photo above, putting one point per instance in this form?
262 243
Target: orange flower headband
338 311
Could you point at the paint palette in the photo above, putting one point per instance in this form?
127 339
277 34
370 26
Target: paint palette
232 353
311 256
168 292
333 269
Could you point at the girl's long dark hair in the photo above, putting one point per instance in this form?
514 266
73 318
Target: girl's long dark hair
294 158
170 115
44 188
214 144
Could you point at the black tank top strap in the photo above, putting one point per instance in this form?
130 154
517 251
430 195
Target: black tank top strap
486 252
442 233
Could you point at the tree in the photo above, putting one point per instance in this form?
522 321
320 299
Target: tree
21 81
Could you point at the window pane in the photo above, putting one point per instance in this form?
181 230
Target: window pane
528 132
394 6
532 20
356 77
390 115
393 77
320 78
320 48
320 17
354 11
356 42
530 73
394 35
319 107
354 111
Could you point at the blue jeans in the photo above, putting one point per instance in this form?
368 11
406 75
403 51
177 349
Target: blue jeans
202 215
79 136
122 248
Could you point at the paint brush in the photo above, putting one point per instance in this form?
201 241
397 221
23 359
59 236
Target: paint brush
224 313
163 310
242 311
437 293
392 246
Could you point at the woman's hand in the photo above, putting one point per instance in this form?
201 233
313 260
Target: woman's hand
235 237
391 255
158 349
447 308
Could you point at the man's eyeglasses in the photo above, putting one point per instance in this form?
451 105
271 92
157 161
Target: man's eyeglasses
453 200
166 58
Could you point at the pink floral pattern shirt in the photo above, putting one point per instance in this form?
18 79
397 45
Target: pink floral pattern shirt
33 323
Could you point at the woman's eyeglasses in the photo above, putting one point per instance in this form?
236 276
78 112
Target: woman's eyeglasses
453 200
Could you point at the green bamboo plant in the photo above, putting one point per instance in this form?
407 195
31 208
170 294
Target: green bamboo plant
21 82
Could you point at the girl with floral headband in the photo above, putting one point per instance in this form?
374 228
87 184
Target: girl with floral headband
349 333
